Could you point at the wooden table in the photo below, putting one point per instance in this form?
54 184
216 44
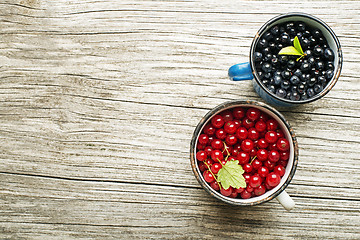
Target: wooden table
99 100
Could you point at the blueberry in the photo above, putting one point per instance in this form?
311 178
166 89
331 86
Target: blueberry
310 92
329 74
285 38
260 75
289 26
321 40
329 65
315 73
297 72
285 85
257 56
294 80
311 60
267 57
272 88
277 80
292 32
329 54
272 46
306 34
267 75
300 26
322 80
286 74
299 35
318 51
277 73
279 46
283 59
293 88
311 82
268 36
301 88
308 52
317 88
277 40
319 65
265 82
281 92
282 29
303 96
305 77
305 43
291 64
295 96
275 61
263 43
266 67
266 51
313 41
305 67
317 33
275 30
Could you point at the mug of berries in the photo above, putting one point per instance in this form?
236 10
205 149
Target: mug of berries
244 153
295 58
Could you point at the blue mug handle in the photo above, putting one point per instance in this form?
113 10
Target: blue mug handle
241 71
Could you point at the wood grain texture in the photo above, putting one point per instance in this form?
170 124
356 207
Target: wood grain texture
98 103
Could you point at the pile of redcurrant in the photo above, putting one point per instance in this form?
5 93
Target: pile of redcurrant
254 139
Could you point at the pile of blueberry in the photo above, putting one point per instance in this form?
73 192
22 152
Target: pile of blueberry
287 76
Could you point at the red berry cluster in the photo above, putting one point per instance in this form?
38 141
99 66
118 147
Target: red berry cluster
251 137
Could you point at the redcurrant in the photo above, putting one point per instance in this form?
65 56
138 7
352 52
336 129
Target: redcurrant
217 121
201 155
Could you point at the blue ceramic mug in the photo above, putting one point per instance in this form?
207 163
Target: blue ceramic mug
247 71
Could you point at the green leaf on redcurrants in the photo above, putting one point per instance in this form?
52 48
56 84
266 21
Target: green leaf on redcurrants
231 175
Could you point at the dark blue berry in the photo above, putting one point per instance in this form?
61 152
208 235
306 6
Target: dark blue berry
305 67
291 64
329 66
295 80
301 88
317 88
285 85
263 43
266 67
300 26
329 54
285 39
275 30
322 80
319 65
293 88
281 92
329 74
317 33
318 51
266 51
295 96
272 88
305 43
285 74
297 72
268 36
311 82
310 92
277 80
311 60
257 56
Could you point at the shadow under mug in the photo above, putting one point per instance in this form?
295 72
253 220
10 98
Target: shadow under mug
277 192
247 71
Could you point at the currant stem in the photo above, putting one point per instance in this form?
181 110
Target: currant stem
213 173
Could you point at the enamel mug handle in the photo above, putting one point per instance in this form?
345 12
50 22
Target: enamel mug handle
241 71
285 200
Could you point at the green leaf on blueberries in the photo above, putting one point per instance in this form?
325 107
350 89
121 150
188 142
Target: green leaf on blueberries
231 175
297 45
290 51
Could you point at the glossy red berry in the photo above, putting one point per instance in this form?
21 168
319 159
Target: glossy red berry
247 167
243 157
203 139
271 125
255 181
262 143
263 171
208 150
233 194
230 127
283 144
263 117
260 126
283 163
245 194
231 139
217 144
253 152
247 145
227 115
201 156
256 164
249 188
237 123
217 121
208 162
239 112
253 114
217 155
280 134
260 190
239 190
284 156
279 170
208 176
202 166
247 123
209 130
262 154
215 185
215 168
274 156
220 134
253 134
200 146
247 177
273 179
271 137
226 192
241 133
269 165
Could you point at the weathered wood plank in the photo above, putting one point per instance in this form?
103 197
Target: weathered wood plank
98 102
